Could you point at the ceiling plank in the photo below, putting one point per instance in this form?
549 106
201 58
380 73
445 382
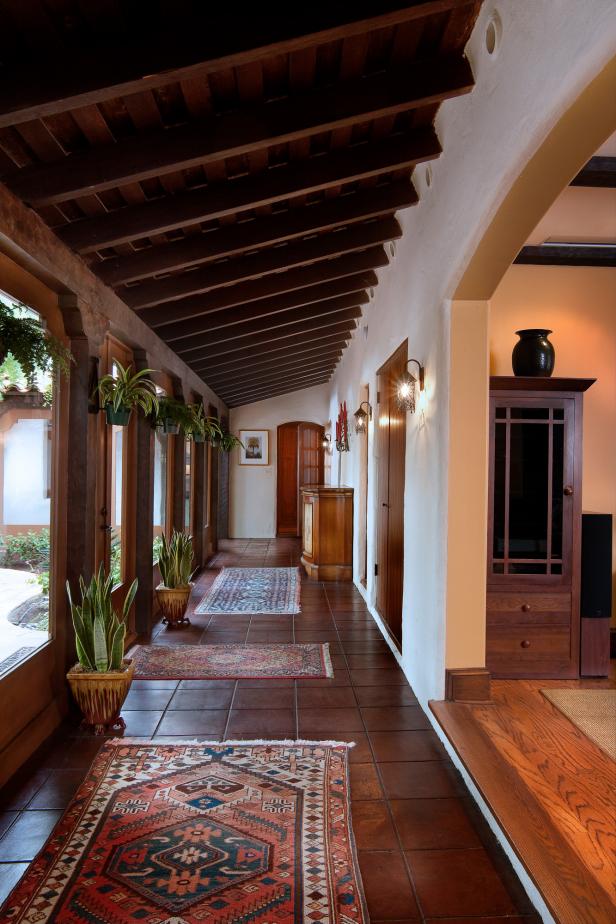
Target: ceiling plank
160 151
229 337
231 240
217 200
243 292
252 397
346 306
286 337
250 378
297 381
306 361
349 285
599 171
568 255
261 263
223 324
271 353
93 75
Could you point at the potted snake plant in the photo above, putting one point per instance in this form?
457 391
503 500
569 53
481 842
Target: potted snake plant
199 427
101 679
119 393
175 563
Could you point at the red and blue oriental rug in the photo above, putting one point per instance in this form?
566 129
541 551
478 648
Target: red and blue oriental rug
208 833
231 662
253 590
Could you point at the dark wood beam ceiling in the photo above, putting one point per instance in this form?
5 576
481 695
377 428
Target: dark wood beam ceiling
231 240
183 308
155 153
232 177
568 255
599 171
208 43
262 263
252 397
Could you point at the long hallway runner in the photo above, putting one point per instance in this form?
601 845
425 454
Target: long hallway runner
253 590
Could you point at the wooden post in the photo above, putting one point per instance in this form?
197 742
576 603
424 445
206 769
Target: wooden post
179 466
144 529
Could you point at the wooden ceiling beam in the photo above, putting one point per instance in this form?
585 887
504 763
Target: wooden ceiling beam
305 361
349 285
92 75
262 263
231 240
599 171
277 375
221 326
252 397
154 153
287 336
300 381
227 338
277 284
270 354
219 199
343 307
568 255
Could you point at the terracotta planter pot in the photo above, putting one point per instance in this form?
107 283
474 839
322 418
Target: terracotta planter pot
100 696
173 602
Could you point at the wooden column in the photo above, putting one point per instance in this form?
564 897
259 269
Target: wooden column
177 447
144 503
199 488
81 514
222 517
215 458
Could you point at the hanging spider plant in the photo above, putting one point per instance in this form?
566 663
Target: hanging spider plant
171 415
32 348
122 391
201 428
227 441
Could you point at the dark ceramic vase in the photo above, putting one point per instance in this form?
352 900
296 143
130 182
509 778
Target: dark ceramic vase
533 354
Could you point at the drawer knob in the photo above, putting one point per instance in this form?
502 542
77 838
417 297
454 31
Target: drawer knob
525 607
525 643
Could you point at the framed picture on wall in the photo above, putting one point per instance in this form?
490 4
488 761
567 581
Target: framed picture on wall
255 447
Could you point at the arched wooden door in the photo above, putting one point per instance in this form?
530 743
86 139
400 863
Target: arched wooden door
299 462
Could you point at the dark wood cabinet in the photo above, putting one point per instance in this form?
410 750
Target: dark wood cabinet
535 497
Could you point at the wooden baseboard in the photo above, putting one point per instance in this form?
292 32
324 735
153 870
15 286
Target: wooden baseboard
468 685
30 738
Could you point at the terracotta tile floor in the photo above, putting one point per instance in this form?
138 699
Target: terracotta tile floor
425 852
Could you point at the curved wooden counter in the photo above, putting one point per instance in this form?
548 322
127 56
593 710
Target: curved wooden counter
327 532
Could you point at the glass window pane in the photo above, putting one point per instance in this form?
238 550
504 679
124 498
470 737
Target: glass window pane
500 412
558 449
187 485
117 474
528 497
498 549
530 413
559 413
160 489
526 568
26 487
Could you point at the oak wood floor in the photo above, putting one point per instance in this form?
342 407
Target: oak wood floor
551 788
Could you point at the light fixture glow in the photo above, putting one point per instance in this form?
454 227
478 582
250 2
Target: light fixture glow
406 388
362 417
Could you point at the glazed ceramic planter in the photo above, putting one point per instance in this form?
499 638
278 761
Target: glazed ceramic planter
533 354
100 695
119 418
173 602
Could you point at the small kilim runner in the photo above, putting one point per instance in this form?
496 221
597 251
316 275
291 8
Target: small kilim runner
193 833
231 662
253 590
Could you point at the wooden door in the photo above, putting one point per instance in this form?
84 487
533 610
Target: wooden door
391 449
299 462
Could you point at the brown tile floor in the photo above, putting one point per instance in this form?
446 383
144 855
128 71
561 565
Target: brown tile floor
424 851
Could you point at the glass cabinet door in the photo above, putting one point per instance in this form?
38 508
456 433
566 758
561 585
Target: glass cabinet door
532 481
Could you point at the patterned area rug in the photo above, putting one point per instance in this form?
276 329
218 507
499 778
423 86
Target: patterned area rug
253 590
231 662
204 833
593 711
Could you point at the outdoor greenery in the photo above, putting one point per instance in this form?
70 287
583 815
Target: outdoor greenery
125 390
156 549
31 549
175 560
32 349
99 632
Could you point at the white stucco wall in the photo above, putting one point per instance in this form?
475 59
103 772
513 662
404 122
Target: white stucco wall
549 51
25 501
252 494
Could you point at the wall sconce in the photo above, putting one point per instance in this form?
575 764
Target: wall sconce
326 442
362 417
405 389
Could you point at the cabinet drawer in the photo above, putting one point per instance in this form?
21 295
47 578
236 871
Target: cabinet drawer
524 644
516 609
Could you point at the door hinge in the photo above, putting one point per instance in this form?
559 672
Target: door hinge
376 570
